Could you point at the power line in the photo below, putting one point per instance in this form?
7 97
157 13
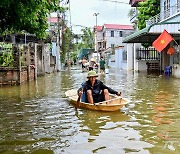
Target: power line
74 25
115 1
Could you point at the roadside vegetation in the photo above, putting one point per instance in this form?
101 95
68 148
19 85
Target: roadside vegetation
147 9
26 15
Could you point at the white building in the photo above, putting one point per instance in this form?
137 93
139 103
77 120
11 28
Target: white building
108 39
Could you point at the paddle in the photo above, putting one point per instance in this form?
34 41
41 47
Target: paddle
78 100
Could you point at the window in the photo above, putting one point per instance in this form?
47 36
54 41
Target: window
120 34
112 33
124 55
166 8
178 5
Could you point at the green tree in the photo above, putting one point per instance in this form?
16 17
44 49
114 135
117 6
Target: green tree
66 36
74 53
147 9
28 15
87 42
87 38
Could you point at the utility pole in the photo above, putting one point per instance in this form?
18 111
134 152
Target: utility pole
96 48
71 43
58 61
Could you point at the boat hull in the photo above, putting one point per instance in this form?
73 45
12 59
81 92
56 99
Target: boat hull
114 104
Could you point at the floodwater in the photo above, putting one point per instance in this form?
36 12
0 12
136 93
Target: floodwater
37 117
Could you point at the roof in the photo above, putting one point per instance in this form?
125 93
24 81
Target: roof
149 34
99 28
117 26
53 19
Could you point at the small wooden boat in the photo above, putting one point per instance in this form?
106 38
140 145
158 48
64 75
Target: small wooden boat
114 104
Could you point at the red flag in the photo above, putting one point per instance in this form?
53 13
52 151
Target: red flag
162 41
171 51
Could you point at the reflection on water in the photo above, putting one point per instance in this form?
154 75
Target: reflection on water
37 117
94 122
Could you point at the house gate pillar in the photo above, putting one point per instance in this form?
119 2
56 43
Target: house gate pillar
130 55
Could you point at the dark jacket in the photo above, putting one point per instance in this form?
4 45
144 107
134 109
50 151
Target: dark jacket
97 89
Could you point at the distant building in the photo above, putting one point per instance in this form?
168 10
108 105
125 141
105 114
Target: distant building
54 52
111 35
108 42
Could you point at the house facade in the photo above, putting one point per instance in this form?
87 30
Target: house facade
108 42
168 19
54 53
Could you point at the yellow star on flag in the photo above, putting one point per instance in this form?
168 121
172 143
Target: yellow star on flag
162 41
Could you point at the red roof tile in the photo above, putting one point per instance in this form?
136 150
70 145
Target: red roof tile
116 26
53 19
99 28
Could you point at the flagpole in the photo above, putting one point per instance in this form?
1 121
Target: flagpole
176 42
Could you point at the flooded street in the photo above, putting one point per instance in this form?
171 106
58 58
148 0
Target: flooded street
38 118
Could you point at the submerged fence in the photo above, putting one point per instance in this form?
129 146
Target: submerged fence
147 54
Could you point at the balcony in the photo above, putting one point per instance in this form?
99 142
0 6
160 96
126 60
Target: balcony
164 15
133 17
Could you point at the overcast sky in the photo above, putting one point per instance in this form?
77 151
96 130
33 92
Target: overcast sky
109 13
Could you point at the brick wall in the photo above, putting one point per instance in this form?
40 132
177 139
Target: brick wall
10 76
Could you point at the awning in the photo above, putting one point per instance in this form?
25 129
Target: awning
149 34
85 53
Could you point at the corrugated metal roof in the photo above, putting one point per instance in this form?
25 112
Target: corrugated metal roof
85 52
149 34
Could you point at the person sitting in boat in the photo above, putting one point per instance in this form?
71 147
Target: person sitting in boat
94 91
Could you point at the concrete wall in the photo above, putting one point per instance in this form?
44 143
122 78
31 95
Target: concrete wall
19 74
49 59
13 76
119 62
58 60
37 61
46 57
116 40
40 60
116 61
111 64
46 61
141 65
